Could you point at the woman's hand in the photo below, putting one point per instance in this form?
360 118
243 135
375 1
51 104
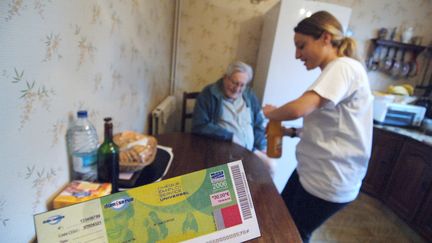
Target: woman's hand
267 109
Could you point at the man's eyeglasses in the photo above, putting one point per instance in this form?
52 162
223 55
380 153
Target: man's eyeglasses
236 83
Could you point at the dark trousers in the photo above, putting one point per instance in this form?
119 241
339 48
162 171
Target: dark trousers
308 211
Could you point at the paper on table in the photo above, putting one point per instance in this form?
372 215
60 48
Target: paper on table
210 205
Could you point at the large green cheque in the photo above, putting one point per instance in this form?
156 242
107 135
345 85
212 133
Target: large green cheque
210 205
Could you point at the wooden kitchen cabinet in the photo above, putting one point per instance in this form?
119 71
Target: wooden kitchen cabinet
410 180
400 175
386 146
423 220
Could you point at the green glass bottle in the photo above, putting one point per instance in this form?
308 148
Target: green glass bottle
108 158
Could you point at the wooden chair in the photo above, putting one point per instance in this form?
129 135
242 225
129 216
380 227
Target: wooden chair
185 113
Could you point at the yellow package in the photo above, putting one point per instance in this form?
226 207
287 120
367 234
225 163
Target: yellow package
80 191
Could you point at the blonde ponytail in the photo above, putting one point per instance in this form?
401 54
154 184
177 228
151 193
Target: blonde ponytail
347 47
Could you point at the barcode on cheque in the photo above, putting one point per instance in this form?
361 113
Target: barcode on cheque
240 186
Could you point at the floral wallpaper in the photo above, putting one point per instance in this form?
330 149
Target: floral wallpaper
212 34
216 32
111 57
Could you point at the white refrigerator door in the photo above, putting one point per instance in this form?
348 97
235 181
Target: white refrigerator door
281 78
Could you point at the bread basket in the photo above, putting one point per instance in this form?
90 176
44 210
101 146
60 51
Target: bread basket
136 150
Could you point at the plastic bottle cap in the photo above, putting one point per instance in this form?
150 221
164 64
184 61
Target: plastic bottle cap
82 113
107 119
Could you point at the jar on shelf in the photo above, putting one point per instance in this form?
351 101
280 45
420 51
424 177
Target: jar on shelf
407 35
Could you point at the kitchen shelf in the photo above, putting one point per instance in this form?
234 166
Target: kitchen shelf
399 45
394 62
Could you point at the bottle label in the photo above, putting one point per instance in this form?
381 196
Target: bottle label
85 162
279 145
274 146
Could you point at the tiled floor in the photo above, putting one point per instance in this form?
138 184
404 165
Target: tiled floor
365 220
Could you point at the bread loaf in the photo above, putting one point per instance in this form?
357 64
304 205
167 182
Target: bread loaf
136 150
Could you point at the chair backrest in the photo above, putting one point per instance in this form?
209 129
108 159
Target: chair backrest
187 114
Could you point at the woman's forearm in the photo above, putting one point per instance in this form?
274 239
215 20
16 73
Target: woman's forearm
297 108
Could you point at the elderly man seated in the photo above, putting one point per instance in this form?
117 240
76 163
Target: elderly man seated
229 110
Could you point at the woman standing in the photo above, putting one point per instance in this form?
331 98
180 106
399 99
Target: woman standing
336 137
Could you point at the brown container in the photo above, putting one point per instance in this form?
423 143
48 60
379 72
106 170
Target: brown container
274 139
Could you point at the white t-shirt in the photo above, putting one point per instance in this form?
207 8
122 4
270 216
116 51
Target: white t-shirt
335 145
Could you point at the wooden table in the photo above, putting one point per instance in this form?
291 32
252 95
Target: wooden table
192 153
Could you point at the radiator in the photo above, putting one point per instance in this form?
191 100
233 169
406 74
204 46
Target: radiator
162 116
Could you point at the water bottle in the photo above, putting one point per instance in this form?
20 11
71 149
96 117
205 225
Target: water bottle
82 142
